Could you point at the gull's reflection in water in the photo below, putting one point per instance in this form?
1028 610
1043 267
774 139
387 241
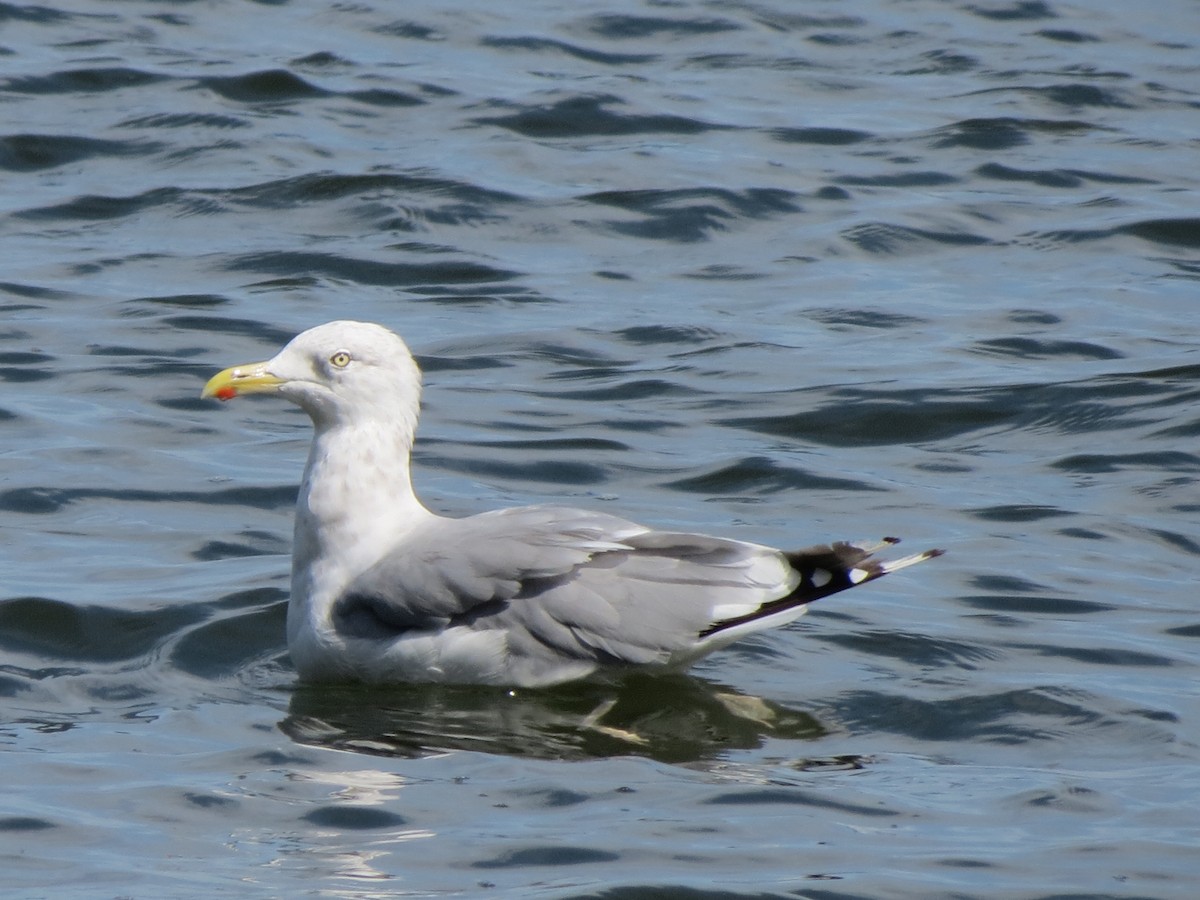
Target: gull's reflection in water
671 718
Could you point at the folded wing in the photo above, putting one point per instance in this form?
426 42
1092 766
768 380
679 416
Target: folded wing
571 589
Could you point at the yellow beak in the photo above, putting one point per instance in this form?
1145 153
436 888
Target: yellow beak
249 379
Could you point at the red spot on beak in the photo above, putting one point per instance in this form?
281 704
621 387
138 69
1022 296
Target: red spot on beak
226 393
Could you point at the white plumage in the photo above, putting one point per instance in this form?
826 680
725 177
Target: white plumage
384 590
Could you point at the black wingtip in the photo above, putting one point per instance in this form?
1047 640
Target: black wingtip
828 569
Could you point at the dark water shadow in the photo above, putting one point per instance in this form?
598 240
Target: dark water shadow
669 718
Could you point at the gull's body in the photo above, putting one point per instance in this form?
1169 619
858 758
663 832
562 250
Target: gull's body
383 590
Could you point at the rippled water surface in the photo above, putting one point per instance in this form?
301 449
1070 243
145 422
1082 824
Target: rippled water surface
786 271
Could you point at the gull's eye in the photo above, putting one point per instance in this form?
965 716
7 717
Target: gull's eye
341 359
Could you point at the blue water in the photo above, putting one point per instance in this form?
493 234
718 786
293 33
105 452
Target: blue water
778 270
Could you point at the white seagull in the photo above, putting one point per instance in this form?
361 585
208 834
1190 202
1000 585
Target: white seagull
383 590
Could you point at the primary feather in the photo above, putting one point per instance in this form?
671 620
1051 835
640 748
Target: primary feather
384 590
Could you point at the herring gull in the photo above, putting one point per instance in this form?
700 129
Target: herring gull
383 590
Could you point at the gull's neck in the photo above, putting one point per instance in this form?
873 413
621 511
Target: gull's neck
355 502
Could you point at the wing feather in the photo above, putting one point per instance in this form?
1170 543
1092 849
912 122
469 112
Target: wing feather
563 585
454 567
558 593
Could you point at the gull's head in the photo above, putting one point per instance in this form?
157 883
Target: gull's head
339 373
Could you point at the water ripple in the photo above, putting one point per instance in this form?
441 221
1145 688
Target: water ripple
32 152
269 86
760 475
53 629
1004 717
882 238
622 26
413 276
691 215
82 80
540 45
861 415
48 500
590 116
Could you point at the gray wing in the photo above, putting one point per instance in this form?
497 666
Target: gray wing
655 602
565 585
455 567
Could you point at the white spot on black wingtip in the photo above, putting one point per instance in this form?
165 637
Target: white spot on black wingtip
858 576
821 577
